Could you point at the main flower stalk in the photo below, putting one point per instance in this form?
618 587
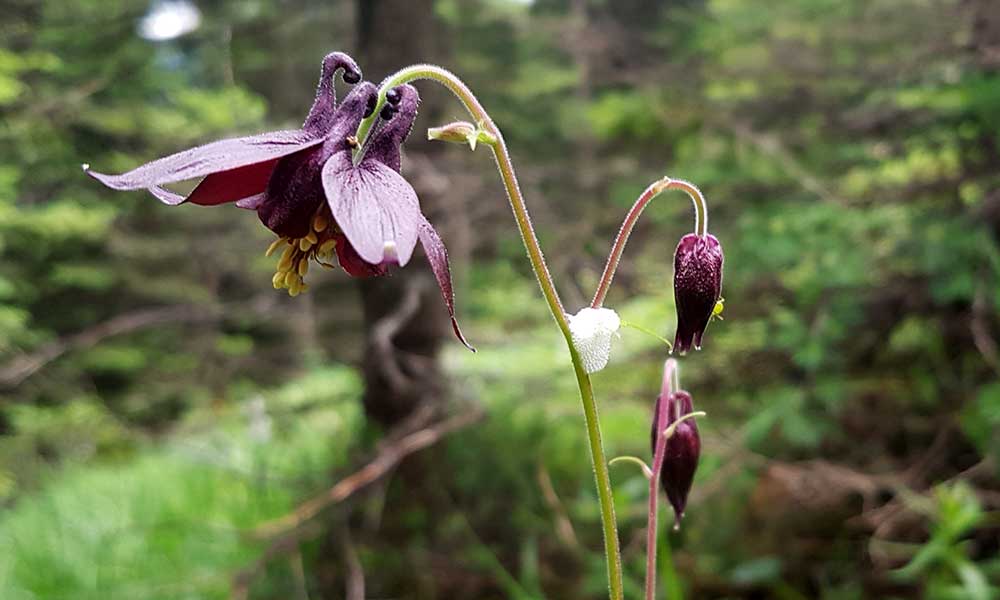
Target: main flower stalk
536 257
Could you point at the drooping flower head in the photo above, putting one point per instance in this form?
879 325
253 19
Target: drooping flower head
697 287
683 447
307 187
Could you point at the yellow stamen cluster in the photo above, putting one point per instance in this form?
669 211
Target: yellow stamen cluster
318 245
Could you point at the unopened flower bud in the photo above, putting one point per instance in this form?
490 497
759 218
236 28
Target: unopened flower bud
697 287
592 330
683 448
461 132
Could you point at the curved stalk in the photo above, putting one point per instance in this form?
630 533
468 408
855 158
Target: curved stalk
537 258
654 190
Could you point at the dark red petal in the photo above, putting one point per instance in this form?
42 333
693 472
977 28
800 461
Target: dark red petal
437 256
233 185
349 260
224 155
374 206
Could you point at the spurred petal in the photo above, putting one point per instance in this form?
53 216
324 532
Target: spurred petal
385 143
437 255
216 157
374 206
321 115
295 188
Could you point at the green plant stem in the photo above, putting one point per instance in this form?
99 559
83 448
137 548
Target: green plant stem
654 190
535 255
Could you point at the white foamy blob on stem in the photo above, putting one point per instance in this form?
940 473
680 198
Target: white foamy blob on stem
592 330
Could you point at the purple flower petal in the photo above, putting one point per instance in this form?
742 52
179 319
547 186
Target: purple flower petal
293 195
257 153
166 196
374 206
437 255
295 189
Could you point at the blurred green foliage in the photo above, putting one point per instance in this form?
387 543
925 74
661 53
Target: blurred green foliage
158 401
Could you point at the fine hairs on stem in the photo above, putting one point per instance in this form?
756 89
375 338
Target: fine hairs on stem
654 190
536 257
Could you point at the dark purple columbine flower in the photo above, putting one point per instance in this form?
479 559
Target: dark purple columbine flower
697 287
682 449
307 187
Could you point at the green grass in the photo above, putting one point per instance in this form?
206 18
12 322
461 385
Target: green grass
171 521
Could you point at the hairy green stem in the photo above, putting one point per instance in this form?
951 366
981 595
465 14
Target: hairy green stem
506 169
654 190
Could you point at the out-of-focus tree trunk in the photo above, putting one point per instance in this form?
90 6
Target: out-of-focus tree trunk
405 322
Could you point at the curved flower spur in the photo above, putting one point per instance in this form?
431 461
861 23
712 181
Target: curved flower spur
370 217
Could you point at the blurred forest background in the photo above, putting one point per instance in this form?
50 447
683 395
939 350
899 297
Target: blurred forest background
171 427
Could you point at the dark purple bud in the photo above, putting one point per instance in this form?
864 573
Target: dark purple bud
387 112
683 448
393 96
697 287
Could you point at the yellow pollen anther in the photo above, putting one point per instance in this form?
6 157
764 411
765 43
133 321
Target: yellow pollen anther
278 281
320 223
274 246
295 287
305 244
303 267
285 264
326 247
311 236
290 278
